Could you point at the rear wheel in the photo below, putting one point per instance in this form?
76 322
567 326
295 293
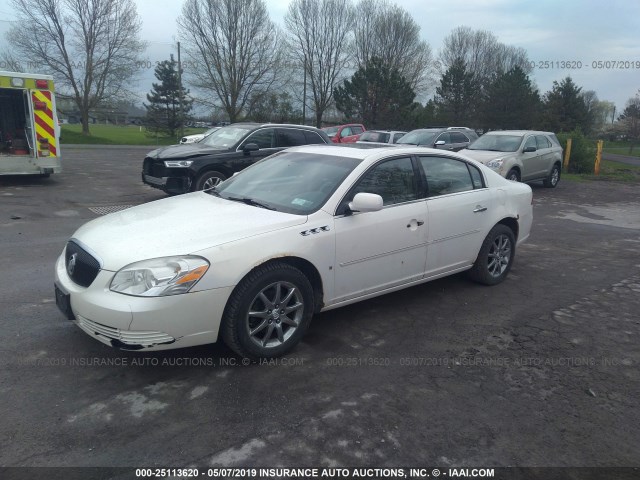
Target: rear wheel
513 175
554 177
496 256
209 180
268 312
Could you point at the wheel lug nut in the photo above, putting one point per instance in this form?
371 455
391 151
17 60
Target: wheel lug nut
281 311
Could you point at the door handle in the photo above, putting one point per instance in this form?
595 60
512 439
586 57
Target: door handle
479 208
418 223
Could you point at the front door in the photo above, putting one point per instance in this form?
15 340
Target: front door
379 250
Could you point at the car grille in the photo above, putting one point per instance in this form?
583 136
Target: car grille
153 168
81 266
129 337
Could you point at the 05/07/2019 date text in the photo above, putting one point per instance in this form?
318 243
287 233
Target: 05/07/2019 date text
578 65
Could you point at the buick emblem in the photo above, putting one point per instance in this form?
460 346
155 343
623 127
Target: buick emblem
71 266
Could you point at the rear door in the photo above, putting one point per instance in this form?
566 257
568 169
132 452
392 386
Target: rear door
458 204
545 156
458 141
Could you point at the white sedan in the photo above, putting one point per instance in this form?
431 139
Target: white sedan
197 136
305 230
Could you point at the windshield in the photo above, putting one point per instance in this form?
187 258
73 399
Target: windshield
226 137
290 182
497 143
418 137
331 131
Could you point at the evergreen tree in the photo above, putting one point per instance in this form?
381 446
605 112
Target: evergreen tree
377 95
163 111
564 109
458 97
511 102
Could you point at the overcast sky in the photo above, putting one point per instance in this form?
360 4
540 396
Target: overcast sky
583 31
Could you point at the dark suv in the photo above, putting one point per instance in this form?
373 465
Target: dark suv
445 138
199 166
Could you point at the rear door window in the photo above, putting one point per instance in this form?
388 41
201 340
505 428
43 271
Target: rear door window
289 137
446 175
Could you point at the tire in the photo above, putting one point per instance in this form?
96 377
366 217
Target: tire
496 256
554 177
268 332
513 175
208 180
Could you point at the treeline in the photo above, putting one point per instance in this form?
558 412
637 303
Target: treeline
331 60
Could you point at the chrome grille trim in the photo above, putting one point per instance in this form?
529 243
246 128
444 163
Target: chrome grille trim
130 337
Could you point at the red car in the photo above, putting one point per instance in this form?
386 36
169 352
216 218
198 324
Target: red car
349 133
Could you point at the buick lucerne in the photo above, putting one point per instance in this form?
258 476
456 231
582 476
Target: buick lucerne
305 230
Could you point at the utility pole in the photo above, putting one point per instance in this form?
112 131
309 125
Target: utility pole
180 93
304 93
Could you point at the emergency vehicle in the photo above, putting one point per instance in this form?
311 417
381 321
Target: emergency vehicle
29 131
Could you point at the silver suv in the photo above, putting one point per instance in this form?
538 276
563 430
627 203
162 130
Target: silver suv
520 155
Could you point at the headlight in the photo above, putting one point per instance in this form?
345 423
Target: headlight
496 163
159 276
178 163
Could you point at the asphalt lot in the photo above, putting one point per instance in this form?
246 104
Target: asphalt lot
541 370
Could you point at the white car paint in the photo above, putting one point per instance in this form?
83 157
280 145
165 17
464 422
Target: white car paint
357 256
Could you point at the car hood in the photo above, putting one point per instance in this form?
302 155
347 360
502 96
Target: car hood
179 225
185 150
483 156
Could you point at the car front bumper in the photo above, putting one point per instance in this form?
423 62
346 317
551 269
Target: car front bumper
140 323
173 185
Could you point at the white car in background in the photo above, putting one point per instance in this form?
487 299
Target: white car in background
381 137
305 230
198 136
520 155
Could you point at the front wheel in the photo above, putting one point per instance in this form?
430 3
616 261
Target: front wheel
268 312
554 177
496 256
513 175
209 180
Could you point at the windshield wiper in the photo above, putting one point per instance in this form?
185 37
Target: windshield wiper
250 201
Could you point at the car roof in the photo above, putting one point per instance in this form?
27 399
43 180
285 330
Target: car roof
257 124
365 151
518 132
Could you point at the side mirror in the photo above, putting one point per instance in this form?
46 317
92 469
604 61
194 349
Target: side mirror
366 202
251 147
439 142
529 149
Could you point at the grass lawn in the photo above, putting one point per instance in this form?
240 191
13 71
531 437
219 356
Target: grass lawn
116 135
609 170
621 148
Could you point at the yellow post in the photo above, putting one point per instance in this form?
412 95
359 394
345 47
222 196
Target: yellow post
567 154
596 168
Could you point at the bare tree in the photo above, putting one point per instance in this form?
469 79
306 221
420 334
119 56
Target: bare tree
388 32
235 48
319 31
482 53
89 46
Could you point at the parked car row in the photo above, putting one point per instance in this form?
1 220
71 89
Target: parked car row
521 155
